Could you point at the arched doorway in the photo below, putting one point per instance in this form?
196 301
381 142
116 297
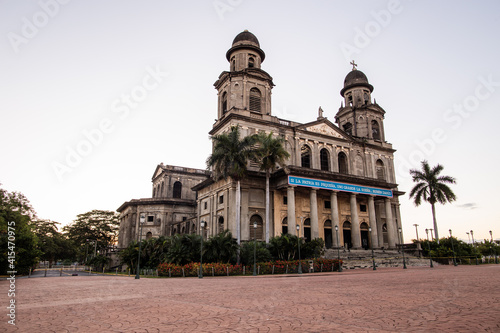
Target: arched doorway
149 235
328 234
346 232
259 232
307 230
284 226
365 237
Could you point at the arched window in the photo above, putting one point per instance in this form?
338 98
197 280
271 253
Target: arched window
149 235
251 62
375 130
324 157
221 224
224 102
380 170
307 230
177 189
259 232
305 157
284 226
348 128
343 163
255 100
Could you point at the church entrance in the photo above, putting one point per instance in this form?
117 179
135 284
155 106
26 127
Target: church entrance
365 241
328 234
346 231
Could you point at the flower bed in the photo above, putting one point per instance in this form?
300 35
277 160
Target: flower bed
273 267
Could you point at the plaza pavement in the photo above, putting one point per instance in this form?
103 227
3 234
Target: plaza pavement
440 299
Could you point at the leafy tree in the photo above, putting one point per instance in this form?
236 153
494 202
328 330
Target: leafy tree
284 247
16 212
184 249
262 253
312 249
97 226
432 188
269 153
53 244
221 248
99 262
229 159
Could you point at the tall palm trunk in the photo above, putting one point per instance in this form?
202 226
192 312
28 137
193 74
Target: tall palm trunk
267 205
435 222
238 212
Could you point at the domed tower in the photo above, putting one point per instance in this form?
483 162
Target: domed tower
246 87
360 117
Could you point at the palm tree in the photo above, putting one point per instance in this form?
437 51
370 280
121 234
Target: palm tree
270 152
229 159
431 188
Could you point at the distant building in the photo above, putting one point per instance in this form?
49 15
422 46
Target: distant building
339 175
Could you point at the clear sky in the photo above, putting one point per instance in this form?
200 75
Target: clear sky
95 94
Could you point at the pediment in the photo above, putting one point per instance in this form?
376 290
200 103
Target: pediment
158 171
325 129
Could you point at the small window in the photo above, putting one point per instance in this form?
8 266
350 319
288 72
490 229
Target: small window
285 200
221 199
306 157
184 218
151 218
224 102
375 130
348 128
251 62
205 205
380 170
328 204
342 163
362 208
324 157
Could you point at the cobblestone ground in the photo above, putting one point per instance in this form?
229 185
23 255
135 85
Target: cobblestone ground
442 299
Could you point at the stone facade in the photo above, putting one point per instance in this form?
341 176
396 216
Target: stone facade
339 176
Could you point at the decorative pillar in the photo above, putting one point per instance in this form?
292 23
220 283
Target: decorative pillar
291 221
335 215
373 221
314 214
355 232
391 228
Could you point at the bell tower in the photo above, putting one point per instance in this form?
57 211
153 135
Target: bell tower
360 117
245 87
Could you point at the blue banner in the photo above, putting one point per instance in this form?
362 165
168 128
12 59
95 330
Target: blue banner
327 185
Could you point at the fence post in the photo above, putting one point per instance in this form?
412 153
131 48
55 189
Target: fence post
29 274
116 271
183 272
258 270
45 272
227 270
129 271
213 271
273 270
60 273
90 270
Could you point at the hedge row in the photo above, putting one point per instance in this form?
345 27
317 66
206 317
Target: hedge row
273 267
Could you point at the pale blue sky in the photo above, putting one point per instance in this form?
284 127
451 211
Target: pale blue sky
66 65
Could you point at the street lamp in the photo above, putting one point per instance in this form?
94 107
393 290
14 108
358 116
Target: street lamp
254 247
202 228
298 243
402 249
371 241
416 230
432 234
142 219
468 236
86 250
453 249
474 244
492 246
338 248
429 245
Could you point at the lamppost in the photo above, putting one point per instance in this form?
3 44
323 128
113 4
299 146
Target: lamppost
453 249
338 247
429 245
298 243
402 249
492 245
142 219
468 236
474 245
86 250
371 241
254 247
202 228
432 234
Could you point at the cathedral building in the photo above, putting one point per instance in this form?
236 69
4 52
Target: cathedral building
338 183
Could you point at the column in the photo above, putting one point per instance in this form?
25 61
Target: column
314 214
391 228
335 216
355 232
290 193
373 221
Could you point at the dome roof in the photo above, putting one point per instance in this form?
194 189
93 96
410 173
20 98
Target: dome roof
246 40
246 36
355 78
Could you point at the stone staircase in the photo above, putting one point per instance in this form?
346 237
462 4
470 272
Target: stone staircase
355 259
